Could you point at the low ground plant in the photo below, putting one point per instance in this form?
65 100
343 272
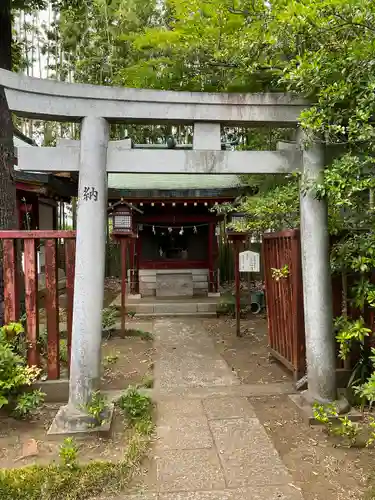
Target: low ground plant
74 481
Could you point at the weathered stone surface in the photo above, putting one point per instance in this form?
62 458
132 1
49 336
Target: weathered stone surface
136 496
183 432
189 470
246 453
140 308
207 307
48 99
245 390
174 285
179 406
187 357
227 407
171 307
70 420
263 493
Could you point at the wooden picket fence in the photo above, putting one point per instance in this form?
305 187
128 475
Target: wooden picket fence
28 242
286 333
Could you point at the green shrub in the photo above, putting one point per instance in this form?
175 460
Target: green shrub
135 405
13 335
69 453
28 402
97 408
15 375
63 351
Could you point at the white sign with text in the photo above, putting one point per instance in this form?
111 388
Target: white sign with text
249 262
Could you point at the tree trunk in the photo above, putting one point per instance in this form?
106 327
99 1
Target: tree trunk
7 182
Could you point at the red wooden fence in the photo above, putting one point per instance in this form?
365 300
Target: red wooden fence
30 240
286 332
285 300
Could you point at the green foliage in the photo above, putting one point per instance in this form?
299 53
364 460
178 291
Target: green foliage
339 426
69 453
15 375
348 332
109 317
111 359
366 391
371 439
276 209
13 334
136 406
97 408
63 350
136 332
43 346
28 402
347 429
59 482
324 414
278 274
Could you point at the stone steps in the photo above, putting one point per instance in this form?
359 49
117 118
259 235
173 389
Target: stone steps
172 308
177 314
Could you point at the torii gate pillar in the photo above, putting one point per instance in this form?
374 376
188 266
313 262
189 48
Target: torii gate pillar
317 287
89 277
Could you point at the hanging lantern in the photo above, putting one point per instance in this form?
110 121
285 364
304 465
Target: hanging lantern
122 221
237 219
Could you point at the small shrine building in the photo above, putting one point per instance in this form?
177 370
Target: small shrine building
175 249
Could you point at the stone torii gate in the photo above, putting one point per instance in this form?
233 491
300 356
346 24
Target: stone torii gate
94 156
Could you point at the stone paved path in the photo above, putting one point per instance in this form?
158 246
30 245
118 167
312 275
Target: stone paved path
208 447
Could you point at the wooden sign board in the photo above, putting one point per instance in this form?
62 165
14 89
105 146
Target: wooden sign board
249 262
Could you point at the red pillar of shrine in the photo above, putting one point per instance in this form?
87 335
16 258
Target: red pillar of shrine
211 257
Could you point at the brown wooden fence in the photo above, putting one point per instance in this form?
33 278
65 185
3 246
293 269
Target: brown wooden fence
28 242
285 300
286 333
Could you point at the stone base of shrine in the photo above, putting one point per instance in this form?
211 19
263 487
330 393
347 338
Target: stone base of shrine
179 306
170 283
69 421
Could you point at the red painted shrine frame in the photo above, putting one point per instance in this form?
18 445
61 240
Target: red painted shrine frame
180 219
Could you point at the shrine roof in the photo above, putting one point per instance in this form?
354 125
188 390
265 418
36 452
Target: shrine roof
172 182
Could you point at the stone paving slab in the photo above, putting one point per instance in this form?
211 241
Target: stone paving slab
211 446
189 470
178 406
228 407
187 357
183 432
136 496
264 493
245 390
246 453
